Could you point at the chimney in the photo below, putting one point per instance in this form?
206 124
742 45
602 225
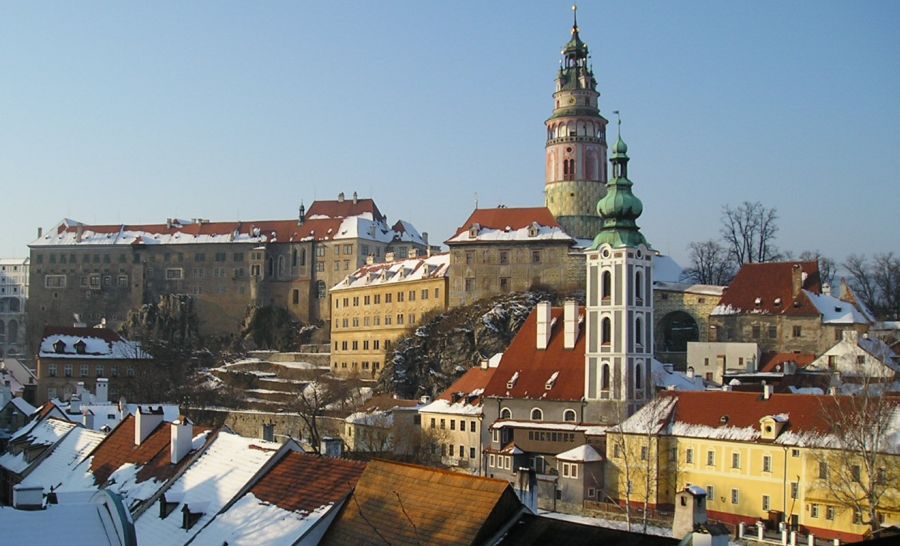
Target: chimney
484 364
75 404
570 311
182 435
726 388
826 289
123 408
767 391
102 391
355 199
79 390
87 419
79 229
28 497
341 197
40 232
145 420
690 372
796 280
425 238
388 257
543 325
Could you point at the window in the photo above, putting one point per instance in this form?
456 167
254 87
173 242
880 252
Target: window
174 274
470 284
504 284
797 331
645 453
829 512
795 453
857 517
504 257
689 456
823 471
537 414
710 458
855 472
605 331
773 332
472 426
767 463
766 503
54 281
735 496
400 296
861 359
505 413
535 256
443 423
492 460
424 293
470 257
269 432
569 415
795 489
471 452
295 297
604 377
813 510
755 330
412 295
735 460
452 424
388 298
85 370
710 493
617 451
99 371
51 370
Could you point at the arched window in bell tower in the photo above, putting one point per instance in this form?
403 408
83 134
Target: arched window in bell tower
638 293
606 286
604 377
638 378
639 332
605 331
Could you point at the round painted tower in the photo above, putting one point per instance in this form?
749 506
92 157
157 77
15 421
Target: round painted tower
576 144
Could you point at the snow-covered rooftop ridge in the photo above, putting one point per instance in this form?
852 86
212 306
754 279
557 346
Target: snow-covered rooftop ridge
45 433
583 453
666 378
546 425
460 407
836 311
534 232
66 456
94 348
407 270
702 289
206 486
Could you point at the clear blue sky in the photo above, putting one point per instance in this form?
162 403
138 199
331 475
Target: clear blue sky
134 112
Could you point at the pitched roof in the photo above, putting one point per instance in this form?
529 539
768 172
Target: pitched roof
530 369
412 269
510 224
464 396
343 208
99 343
408 504
585 453
66 455
286 502
774 362
766 288
23 450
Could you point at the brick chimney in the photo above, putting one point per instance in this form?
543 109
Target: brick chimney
570 312
796 280
181 434
543 325
145 421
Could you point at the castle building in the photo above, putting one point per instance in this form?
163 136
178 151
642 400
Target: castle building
101 272
619 301
378 303
576 144
13 294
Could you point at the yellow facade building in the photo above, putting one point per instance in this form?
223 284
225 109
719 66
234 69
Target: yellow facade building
760 457
376 304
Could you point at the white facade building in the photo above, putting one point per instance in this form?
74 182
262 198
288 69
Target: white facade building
13 295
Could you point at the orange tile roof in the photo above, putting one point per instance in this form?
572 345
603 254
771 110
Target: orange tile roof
402 504
773 362
535 366
471 381
515 218
768 282
152 455
300 482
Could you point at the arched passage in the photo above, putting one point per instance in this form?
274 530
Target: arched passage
675 330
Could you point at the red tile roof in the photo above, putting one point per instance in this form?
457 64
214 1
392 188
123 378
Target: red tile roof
344 208
515 218
535 366
397 503
471 381
774 362
806 413
768 282
107 335
152 455
300 482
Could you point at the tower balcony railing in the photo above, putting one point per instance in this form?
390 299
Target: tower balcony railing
576 138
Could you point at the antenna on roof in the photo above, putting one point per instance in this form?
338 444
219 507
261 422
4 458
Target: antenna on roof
618 121
476 199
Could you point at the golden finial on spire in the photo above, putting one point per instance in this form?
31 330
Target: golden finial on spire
574 18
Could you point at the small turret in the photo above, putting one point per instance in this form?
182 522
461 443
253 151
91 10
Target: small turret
301 217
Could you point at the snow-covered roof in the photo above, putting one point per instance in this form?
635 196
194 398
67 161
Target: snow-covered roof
223 469
664 378
700 289
88 343
836 311
64 458
409 270
45 433
583 454
510 225
23 406
452 408
546 425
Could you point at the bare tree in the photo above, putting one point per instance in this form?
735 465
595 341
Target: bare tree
749 232
312 400
877 282
859 463
710 264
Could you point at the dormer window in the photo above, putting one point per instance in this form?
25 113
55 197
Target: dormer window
777 302
190 515
533 229
473 231
166 506
80 347
758 302
59 347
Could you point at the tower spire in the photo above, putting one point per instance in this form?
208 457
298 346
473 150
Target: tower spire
574 18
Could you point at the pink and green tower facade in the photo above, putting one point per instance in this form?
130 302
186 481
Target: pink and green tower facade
576 144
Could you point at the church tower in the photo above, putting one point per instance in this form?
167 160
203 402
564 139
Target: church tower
619 301
576 143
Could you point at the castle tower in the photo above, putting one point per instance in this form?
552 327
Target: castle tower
576 144
619 300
